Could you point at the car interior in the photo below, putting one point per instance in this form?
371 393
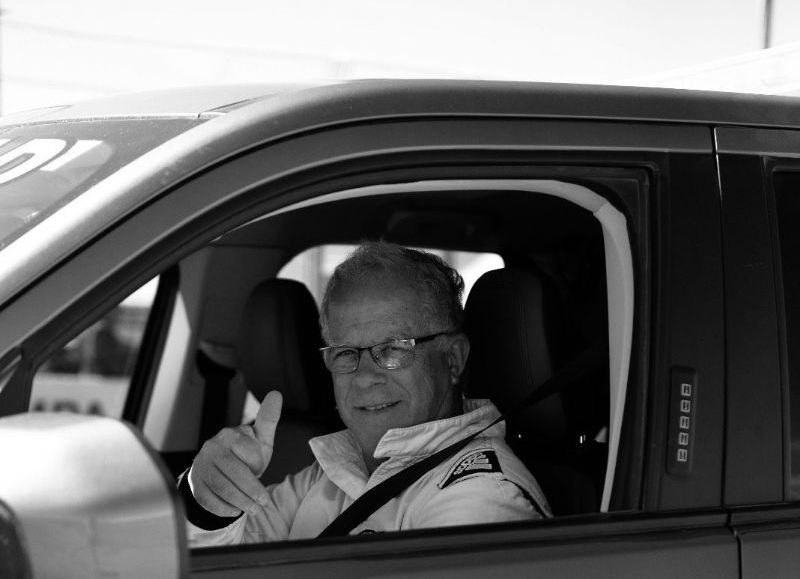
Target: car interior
238 327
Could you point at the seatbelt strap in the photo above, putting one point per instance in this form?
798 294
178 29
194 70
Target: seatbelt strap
385 491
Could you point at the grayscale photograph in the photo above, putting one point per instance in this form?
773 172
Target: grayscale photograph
402 289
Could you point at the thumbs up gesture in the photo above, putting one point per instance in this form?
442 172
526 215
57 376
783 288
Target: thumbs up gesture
224 475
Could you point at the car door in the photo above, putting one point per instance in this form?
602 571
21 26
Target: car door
665 514
759 180
669 515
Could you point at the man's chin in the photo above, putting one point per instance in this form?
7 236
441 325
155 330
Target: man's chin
368 428
368 439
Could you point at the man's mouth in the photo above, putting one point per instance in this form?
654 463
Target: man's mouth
377 407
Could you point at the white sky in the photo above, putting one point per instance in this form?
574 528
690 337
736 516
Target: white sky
54 51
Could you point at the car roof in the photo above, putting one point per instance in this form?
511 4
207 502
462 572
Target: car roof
183 102
360 100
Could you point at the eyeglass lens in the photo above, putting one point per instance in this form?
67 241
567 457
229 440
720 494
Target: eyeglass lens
389 356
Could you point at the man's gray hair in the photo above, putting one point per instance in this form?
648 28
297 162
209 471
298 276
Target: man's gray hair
440 286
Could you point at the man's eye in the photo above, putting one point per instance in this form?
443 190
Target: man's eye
394 350
345 354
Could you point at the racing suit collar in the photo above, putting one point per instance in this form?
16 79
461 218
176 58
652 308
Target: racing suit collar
339 456
428 437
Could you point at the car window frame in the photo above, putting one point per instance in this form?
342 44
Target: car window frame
619 273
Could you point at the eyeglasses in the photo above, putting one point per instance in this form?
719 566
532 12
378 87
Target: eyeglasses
391 355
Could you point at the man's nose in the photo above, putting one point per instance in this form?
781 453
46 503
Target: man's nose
368 372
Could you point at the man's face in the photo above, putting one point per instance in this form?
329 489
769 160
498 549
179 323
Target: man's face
372 400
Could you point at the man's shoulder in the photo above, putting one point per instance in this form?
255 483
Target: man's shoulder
488 462
484 481
484 456
480 460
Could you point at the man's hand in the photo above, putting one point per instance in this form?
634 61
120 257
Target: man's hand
224 474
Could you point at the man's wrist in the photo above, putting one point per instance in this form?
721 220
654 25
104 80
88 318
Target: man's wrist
195 513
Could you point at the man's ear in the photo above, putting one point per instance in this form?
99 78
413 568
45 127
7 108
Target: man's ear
457 354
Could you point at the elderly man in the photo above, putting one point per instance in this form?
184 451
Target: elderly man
391 317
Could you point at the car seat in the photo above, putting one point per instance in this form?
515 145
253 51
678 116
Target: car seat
278 349
516 328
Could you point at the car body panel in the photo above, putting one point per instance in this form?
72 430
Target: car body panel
687 323
755 402
621 548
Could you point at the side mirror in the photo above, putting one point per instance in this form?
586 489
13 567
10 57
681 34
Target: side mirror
84 497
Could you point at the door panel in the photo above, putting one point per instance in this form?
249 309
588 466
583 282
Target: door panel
769 538
633 546
754 465
687 386
754 405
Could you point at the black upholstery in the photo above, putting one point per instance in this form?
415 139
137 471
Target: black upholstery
511 350
278 347
514 326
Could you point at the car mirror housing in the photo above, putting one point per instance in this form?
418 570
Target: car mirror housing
85 496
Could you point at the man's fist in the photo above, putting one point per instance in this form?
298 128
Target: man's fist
224 474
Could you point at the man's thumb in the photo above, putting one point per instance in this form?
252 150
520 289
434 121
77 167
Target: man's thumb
267 418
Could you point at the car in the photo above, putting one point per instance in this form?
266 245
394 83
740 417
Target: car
157 251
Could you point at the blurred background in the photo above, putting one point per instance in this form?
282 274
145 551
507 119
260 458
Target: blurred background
61 51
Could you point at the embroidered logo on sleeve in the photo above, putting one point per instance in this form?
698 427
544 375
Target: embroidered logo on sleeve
476 462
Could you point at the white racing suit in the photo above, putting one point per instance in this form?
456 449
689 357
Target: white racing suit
483 483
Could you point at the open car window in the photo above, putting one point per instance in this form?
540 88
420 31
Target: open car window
570 236
615 247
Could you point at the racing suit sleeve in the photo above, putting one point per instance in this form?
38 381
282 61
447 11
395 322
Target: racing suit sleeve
272 521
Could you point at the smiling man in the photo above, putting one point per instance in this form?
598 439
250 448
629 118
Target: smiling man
392 319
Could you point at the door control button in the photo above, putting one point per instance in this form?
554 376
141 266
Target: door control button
682 418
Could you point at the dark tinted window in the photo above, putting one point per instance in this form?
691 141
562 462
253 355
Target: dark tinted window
787 205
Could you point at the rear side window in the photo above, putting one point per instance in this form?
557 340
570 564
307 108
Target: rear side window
787 207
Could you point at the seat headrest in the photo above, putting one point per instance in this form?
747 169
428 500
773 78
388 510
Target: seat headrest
511 354
278 347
